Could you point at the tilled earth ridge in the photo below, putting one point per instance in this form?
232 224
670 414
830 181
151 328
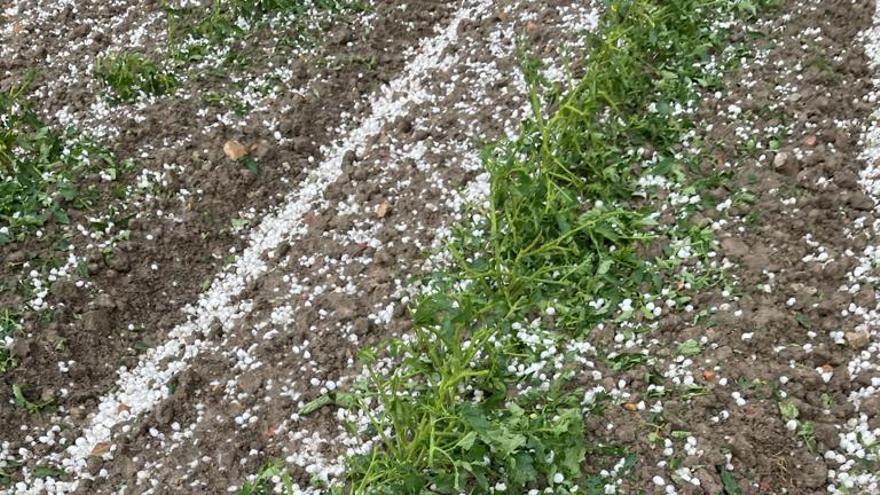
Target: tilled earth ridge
790 337
95 330
342 284
546 16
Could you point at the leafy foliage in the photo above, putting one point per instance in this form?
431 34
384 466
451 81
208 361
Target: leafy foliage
562 232
129 76
193 31
42 172
265 483
8 325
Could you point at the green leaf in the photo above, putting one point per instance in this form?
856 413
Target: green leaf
316 404
466 442
524 469
788 410
731 487
505 443
604 266
61 216
474 418
690 347
345 400
680 434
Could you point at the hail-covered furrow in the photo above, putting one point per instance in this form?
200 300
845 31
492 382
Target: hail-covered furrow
345 282
139 389
74 376
856 459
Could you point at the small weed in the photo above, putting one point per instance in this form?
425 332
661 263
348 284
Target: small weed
9 324
193 32
22 401
272 479
128 76
43 173
8 467
807 432
729 483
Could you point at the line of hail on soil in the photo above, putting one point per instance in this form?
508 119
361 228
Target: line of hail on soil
93 123
140 389
576 18
858 455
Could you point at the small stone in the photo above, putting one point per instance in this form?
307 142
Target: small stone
828 434
234 150
96 321
740 447
811 140
383 209
857 339
261 149
780 159
814 475
21 348
531 27
17 257
786 164
78 413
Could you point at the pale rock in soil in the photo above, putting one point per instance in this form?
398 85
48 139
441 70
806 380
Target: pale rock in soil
857 339
786 164
234 150
383 209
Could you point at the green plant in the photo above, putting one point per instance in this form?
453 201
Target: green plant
270 480
22 401
128 76
8 326
43 172
193 31
556 251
